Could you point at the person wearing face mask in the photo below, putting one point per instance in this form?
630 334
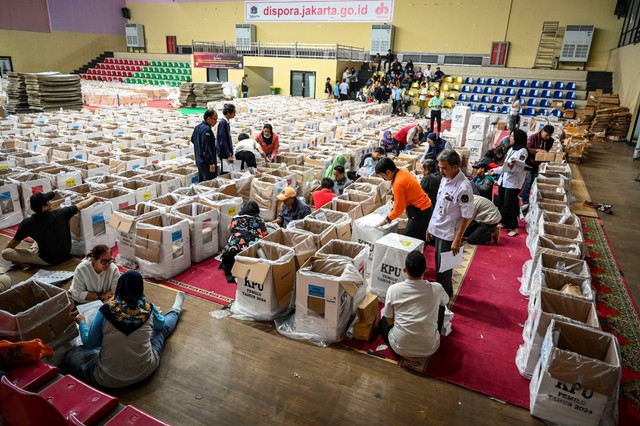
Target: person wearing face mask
96 277
225 143
269 142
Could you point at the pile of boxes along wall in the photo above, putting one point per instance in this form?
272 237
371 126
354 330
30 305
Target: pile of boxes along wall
331 268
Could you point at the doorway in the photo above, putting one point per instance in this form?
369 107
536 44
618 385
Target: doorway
217 75
303 83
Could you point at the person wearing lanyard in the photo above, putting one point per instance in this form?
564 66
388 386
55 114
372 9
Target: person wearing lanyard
452 214
512 178
407 194
435 104
225 144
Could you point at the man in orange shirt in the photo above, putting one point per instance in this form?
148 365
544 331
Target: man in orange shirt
407 194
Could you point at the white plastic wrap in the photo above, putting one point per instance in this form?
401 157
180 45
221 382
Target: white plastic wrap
168 201
342 221
389 255
543 307
265 274
163 247
123 222
357 253
264 190
322 232
366 231
203 226
557 281
302 243
530 282
577 378
536 210
242 181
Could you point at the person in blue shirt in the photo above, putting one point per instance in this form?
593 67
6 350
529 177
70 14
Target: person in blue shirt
225 144
204 146
293 208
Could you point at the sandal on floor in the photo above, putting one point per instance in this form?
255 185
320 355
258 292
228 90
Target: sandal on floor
512 233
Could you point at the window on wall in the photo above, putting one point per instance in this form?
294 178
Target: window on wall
217 75
631 27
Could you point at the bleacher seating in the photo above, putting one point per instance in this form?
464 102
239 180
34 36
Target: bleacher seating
138 71
558 94
524 83
545 94
513 83
571 95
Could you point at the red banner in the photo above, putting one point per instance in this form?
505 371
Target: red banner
226 61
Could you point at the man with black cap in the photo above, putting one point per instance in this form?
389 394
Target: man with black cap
482 180
48 228
538 142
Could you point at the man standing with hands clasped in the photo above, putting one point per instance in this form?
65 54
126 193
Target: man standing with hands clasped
451 215
204 146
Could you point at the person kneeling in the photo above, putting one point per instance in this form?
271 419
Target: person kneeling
409 322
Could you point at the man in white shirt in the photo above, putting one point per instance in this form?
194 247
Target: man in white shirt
452 213
246 150
409 321
344 90
514 113
428 73
424 91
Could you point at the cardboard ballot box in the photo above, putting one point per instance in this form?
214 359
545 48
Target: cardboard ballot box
389 255
322 232
303 244
163 247
342 221
577 378
266 274
123 222
357 253
203 226
325 293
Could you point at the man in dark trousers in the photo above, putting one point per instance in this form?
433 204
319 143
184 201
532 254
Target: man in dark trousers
48 228
204 146
388 60
538 142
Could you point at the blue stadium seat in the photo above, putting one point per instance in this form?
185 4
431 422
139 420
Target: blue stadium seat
522 92
536 84
466 89
513 83
544 112
534 93
462 97
481 80
546 94
530 111
468 80
545 103
499 91
571 86
482 108
486 99
488 90
493 109
502 82
477 89
569 105
532 102
547 85
521 111
511 91
571 95
524 83
505 109
559 85
474 98
497 100
491 82
472 107
508 100
558 94
556 113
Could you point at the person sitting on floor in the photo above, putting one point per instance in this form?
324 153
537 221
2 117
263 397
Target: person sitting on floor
340 180
324 195
436 145
246 228
369 161
483 228
482 180
50 230
409 323
96 277
124 344
293 208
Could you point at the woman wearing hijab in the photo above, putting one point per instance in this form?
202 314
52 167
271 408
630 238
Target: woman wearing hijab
511 180
246 228
124 344
340 160
387 141
269 142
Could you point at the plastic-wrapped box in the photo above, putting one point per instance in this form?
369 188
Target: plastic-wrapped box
89 228
366 231
565 218
203 226
342 221
265 274
558 237
530 281
143 189
352 208
389 255
221 185
548 197
242 180
577 379
383 186
10 209
188 175
303 244
557 169
167 201
117 196
165 183
327 294
163 247
562 282
123 222
366 201
264 190
305 177
544 307
228 207
536 210
357 253
31 310
322 232
557 244
319 163
366 188
29 184
107 180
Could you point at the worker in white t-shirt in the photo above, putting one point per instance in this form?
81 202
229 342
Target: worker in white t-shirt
246 150
409 322
424 91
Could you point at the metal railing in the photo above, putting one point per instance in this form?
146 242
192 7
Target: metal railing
284 50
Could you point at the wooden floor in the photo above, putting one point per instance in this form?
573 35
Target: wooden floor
230 372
